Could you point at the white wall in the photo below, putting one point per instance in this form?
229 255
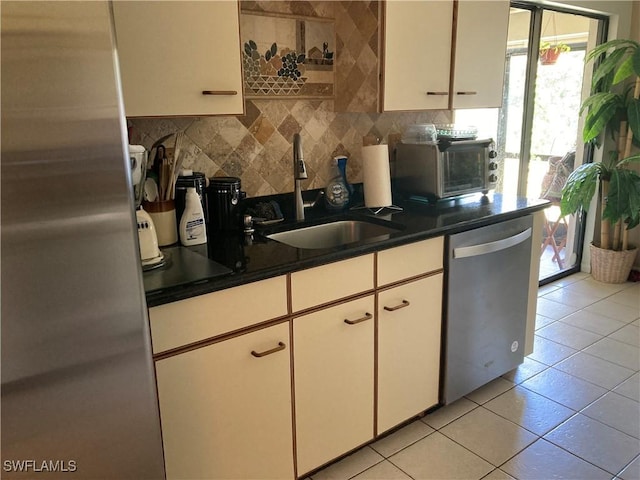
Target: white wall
619 13
634 236
635 21
624 22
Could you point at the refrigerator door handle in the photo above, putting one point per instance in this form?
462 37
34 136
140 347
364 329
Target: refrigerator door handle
484 248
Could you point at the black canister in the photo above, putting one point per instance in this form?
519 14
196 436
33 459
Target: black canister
224 197
197 180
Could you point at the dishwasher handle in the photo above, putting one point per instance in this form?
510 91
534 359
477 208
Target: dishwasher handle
484 248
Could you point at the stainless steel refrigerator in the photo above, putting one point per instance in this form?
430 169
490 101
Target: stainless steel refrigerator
78 386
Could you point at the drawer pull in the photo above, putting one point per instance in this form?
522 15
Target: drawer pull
219 92
367 316
281 346
437 93
405 303
466 93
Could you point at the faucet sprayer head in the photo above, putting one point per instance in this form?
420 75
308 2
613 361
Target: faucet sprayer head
299 168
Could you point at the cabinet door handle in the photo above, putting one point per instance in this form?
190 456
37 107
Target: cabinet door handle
367 316
219 92
466 93
280 347
405 303
437 93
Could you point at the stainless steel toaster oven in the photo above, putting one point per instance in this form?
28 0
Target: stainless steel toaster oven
449 168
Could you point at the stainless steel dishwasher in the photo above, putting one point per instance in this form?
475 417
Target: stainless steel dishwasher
488 282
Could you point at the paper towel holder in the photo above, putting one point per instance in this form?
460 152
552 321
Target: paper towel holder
378 164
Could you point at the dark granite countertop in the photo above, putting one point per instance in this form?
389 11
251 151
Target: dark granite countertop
230 260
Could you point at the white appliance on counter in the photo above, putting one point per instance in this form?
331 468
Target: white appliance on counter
150 254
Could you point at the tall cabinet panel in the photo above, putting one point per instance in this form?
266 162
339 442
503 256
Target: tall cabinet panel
172 52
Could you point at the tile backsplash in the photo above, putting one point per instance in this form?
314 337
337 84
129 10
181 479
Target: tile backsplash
256 147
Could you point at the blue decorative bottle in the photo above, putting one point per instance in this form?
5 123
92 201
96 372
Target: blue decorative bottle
342 166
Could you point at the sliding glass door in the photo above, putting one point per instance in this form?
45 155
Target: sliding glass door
538 129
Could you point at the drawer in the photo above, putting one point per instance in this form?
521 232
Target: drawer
198 318
320 285
407 261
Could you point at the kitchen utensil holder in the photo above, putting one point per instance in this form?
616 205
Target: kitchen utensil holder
163 215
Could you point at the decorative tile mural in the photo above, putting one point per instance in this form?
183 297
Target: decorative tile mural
285 57
256 147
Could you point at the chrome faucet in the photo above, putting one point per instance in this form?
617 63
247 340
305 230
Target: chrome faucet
299 173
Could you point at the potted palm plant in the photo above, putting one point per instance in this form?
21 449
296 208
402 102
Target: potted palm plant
614 108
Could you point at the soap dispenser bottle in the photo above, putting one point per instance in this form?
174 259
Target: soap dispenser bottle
193 230
336 193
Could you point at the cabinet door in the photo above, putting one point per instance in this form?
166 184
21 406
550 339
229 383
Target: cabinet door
333 370
481 43
409 325
417 55
225 412
170 52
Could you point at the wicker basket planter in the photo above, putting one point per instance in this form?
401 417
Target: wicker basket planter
611 266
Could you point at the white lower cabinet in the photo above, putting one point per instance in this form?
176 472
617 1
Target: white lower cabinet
409 326
226 408
334 381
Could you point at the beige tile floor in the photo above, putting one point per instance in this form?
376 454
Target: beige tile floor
571 410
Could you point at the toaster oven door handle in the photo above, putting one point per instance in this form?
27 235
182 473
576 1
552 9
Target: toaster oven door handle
475 141
490 247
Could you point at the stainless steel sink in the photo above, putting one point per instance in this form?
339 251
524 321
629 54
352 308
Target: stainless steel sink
333 234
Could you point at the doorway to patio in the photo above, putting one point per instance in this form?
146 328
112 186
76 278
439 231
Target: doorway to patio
538 130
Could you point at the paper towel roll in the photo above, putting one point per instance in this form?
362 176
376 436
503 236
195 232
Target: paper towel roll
376 176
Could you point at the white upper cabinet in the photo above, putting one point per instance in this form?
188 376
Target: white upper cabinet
418 53
481 43
179 58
